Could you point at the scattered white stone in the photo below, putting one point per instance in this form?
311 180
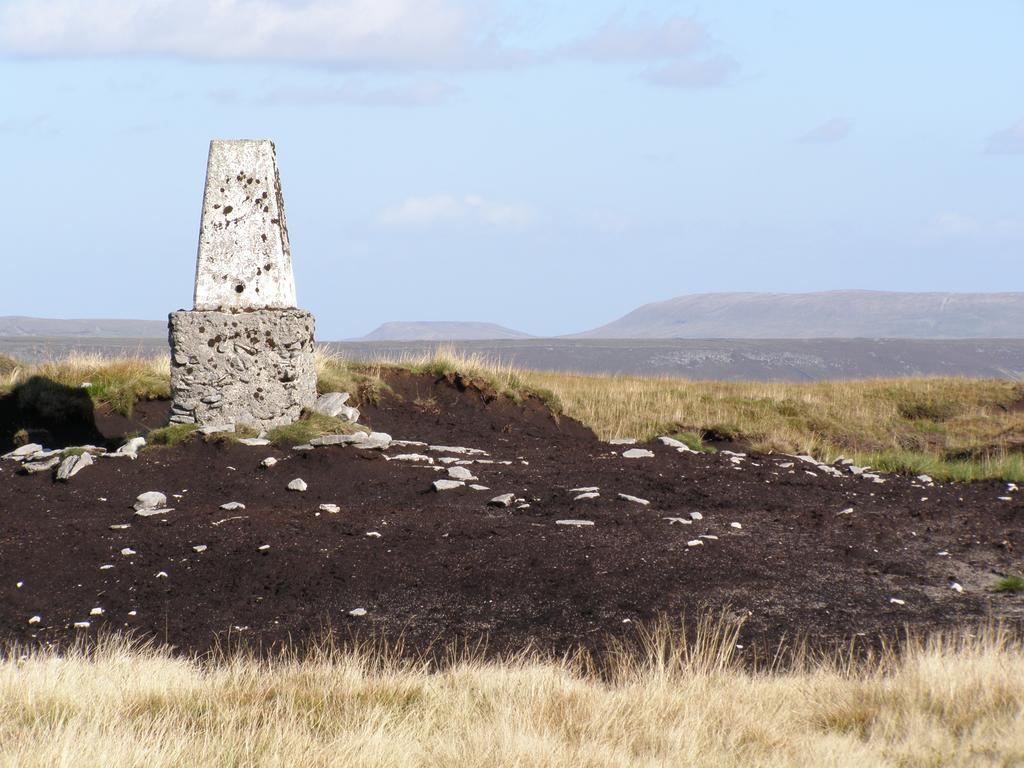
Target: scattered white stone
262 547
357 612
586 489
956 587
106 567
1006 498
409 443
522 506
583 496
461 473
19 585
97 612
456 449
72 465
622 441
743 456
1011 487
786 465
334 404
33 467
847 511
680 520
679 445
637 453
578 523
298 484
924 479
696 516
373 534
708 536
130 449
133 613
152 512
943 553
375 441
897 601
303 447
269 462
232 506
634 499
412 457
331 508
81 625
695 543
150 500
478 487
504 500
127 551
323 440
35 619
254 441
161 574
737 526
448 485
199 548
23 452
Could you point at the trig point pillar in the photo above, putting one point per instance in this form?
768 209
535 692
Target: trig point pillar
244 355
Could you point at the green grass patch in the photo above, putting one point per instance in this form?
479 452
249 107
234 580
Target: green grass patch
1009 467
1012 584
311 424
171 435
693 440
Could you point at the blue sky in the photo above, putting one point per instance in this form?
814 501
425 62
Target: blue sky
544 165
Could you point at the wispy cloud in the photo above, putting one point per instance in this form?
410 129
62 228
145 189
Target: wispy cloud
832 130
415 94
444 208
1009 141
680 51
33 124
368 34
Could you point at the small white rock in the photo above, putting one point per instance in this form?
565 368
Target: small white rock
578 523
737 526
268 462
590 495
585 489
695 543
956 587
447 485
127 551
150 500
357 612
461 473
637 453
161 574
298 484
696 516
680 520
263 547
81 625
231 506
897 601
97 612
634 499
199 548
373 534
35 619
504 500
332 508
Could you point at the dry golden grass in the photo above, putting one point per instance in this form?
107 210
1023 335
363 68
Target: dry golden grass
937 704
960 429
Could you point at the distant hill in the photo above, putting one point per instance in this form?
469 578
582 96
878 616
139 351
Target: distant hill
426 330
86 329
829 314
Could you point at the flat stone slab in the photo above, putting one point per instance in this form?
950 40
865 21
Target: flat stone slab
244 260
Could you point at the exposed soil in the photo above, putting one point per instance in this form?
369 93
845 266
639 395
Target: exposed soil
446 566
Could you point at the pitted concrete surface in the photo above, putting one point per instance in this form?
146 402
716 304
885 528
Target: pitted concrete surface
244 260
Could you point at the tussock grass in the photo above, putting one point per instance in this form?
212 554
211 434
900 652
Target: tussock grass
661 702
310 425
112 383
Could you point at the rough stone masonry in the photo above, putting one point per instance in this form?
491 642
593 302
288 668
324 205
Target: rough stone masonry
244 354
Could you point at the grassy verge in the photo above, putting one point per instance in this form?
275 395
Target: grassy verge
957 429
665 702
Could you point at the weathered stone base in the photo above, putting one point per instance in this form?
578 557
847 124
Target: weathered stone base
250 368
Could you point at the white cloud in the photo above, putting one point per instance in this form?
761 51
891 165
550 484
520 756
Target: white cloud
1009 141
440 209
675 37
414 94
681 51
832 130
694 73
346 33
